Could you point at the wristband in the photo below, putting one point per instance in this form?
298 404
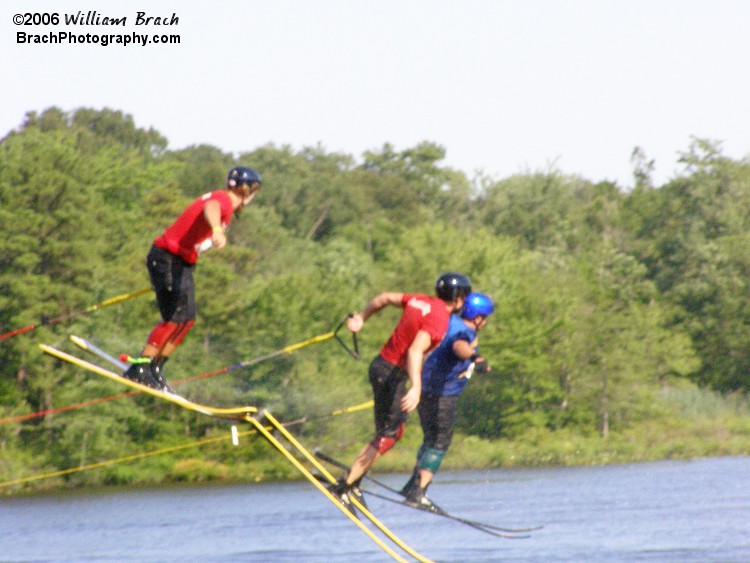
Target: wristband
217 229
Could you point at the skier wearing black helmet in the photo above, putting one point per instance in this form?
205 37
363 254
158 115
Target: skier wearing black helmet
422 326
171 262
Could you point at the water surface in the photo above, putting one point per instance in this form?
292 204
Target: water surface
663 511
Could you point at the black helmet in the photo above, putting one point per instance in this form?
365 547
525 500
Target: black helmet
451 285
242 175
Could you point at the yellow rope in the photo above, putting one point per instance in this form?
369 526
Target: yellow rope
153 453
119 460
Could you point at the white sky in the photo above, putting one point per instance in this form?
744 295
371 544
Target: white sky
505 86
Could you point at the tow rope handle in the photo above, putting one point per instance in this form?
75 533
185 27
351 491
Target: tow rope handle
355 352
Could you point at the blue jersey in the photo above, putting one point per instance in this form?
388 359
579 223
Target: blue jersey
444 373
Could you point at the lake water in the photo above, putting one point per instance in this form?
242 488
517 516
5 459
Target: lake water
663 511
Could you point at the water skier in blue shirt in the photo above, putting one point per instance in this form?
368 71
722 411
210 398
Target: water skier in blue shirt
445 373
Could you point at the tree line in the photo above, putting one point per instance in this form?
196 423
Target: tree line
605 296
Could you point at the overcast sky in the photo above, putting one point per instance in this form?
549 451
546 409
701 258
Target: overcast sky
505 86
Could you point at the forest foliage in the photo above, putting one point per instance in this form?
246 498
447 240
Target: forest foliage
610 301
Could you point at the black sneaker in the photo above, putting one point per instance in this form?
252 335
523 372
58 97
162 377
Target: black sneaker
158 377
355 493
426 504
341 491
139 371
418 499
410 484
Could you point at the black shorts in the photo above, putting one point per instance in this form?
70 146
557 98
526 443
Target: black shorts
388 388
438 417
172 280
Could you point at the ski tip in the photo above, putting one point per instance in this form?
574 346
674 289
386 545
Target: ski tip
78 341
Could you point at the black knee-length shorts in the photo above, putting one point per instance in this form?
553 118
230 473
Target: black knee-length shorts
172 280
388 388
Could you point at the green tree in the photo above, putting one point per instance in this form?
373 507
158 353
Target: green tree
684 232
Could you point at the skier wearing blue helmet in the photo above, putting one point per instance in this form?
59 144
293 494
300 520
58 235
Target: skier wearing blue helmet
477 304
444 376
171 262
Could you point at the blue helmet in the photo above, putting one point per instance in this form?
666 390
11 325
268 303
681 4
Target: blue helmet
477 304
452 285
242 175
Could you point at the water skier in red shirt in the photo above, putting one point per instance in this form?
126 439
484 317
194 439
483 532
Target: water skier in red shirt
422 326
171 262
